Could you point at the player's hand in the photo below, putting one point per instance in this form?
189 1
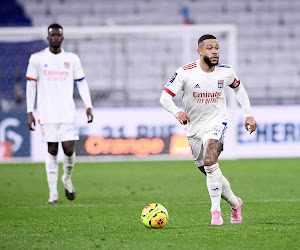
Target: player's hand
30 121
183 117
250 124
89 115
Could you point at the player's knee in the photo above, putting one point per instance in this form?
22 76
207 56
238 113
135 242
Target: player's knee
53 150
209 162
68 151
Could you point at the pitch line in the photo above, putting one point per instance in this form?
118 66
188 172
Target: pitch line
74 205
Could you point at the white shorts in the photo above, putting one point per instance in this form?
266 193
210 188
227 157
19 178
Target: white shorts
197 143
59 132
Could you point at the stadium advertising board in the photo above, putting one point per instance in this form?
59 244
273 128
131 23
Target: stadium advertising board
139 132
152 131
277 134
14 135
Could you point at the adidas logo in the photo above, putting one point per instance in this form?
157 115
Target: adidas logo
45 65
197 86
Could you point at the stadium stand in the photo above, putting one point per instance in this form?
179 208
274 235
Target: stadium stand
13 70
267 46
12 14
12 64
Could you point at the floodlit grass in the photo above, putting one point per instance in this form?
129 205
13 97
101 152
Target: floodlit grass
111 196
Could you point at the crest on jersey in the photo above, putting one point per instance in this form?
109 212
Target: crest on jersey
220 84
67 65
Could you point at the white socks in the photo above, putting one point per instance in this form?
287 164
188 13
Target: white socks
52 173
228 195
68 166
214 185
218 186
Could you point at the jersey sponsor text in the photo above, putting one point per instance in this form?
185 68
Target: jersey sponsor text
207 97
53 75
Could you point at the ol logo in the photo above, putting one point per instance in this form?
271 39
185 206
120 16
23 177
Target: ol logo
220 84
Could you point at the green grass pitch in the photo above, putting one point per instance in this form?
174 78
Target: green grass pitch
111 196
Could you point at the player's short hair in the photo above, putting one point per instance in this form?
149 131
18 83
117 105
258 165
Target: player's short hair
55 26
205 37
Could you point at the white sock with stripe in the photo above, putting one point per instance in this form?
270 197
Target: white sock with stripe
228 195
214 185
52 173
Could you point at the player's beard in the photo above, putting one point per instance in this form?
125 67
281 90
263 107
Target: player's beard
55 47
208 62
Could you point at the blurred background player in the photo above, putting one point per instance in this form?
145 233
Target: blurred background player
202 83
51 74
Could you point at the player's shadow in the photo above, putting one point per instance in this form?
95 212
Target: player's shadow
278 223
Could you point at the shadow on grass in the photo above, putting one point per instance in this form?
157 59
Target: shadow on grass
277 223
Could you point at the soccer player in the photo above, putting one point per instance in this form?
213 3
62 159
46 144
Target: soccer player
202 83
51 74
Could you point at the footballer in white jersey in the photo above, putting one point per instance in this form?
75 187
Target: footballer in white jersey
203 95
55 75
202 84
51 75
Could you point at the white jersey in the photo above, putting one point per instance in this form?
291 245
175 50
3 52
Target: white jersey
202 94
55 75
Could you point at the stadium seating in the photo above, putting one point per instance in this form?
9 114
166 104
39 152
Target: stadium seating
267 46
13 64
12 14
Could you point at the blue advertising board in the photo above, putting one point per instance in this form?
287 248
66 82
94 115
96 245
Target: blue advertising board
13 129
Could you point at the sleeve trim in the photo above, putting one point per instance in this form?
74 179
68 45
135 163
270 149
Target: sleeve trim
30 79
78 80
169 91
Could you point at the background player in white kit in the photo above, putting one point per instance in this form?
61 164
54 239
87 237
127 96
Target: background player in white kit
202 84
51 74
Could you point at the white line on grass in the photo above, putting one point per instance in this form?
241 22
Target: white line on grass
74 205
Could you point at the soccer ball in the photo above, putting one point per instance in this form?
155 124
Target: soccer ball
154 215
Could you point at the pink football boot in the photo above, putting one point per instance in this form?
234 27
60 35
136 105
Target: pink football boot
236 214
216 218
